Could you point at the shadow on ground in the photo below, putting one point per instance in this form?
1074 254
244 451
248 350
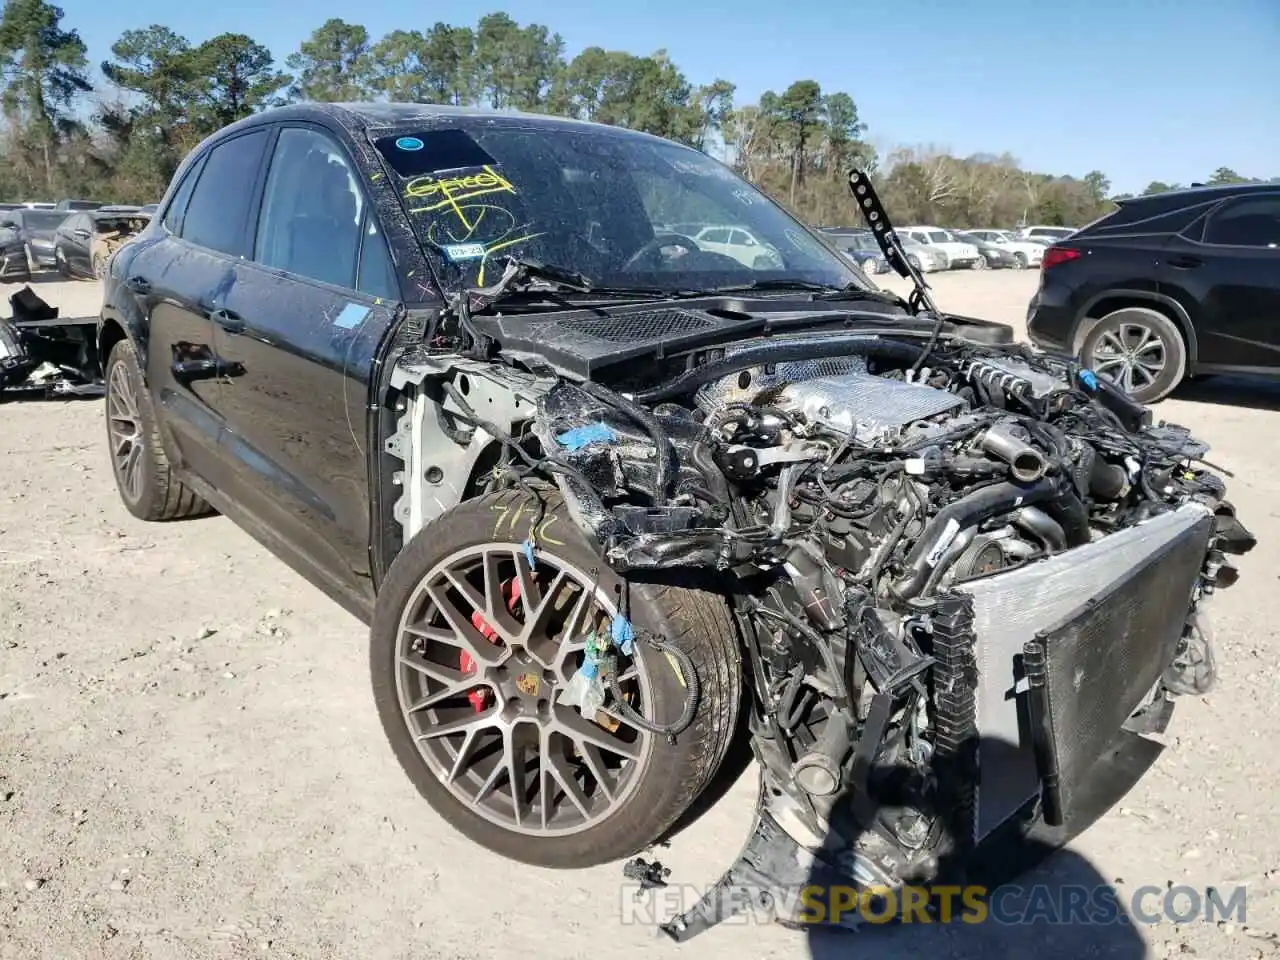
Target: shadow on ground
1025 894
1232 390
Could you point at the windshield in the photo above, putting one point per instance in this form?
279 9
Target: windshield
39 220
621 209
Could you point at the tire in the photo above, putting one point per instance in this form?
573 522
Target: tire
979 264
154 493
99 266
762 263
671 776
32 266
1143 328
60 262
1020 261
913 260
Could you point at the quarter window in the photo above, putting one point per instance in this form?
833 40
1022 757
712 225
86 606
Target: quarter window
1247 223
218 212
173 216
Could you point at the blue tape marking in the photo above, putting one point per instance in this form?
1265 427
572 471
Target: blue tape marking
579 437
409 143
590 669
528 553
1089 379
352 316
464 251
623 633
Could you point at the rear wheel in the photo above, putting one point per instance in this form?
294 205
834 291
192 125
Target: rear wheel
1140 350
1020 261
980 263
472 650
138 461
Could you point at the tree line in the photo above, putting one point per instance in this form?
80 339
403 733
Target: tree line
61 137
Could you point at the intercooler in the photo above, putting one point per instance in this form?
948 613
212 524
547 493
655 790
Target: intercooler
1067 649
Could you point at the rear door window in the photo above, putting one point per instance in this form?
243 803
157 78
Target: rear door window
217 215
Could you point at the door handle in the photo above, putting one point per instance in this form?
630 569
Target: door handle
138 284
228 320
1184 263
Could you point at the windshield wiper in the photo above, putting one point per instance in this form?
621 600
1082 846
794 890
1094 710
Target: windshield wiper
807 285
530 278
820 291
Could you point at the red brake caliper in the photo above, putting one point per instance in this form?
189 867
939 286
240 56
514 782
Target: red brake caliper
480 696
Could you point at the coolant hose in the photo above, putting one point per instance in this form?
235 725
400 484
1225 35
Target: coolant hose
780 351
930 549
664 482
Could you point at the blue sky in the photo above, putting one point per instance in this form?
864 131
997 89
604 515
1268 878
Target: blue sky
1140 89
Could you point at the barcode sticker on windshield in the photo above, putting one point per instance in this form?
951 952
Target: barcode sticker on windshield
464 251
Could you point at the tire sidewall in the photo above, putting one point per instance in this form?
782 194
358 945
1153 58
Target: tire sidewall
665 764
1175 346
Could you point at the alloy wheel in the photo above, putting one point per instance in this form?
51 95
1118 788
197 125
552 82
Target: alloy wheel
125 429
1133 356
487 645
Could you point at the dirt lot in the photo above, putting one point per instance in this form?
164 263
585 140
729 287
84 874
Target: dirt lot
191 767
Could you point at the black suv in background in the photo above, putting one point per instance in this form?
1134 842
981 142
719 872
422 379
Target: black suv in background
1168 286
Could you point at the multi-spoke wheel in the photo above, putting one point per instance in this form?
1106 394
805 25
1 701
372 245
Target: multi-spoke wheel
1139 350
138 462
474 652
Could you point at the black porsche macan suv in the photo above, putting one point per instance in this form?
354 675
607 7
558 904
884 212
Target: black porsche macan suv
1168 286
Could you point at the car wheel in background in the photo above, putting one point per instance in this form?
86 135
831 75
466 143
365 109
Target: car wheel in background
141 469
32 265
913 260
979 264
60 262
763 263
99 265
1138 349
473 649
1020 261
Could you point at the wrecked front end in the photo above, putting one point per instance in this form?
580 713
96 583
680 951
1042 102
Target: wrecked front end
972 578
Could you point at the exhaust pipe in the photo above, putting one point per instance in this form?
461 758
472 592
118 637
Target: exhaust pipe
1026 463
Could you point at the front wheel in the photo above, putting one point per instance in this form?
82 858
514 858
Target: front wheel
1138 349
1020 261
979 264
475 656
913 260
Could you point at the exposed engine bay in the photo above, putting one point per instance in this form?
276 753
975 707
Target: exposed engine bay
930 544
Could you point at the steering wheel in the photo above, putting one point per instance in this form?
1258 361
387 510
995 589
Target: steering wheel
657 243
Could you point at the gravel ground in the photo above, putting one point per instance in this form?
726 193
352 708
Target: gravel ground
191 766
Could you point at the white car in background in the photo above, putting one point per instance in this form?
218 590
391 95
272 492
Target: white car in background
1028 253
741 244
924 257
957 252
1050 234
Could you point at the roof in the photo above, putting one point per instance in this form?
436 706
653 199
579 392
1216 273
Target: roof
363 116
1203 194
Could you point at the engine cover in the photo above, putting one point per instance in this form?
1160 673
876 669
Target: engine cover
865 407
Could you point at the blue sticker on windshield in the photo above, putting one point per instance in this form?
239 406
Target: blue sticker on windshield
409 143
352 316
464 251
